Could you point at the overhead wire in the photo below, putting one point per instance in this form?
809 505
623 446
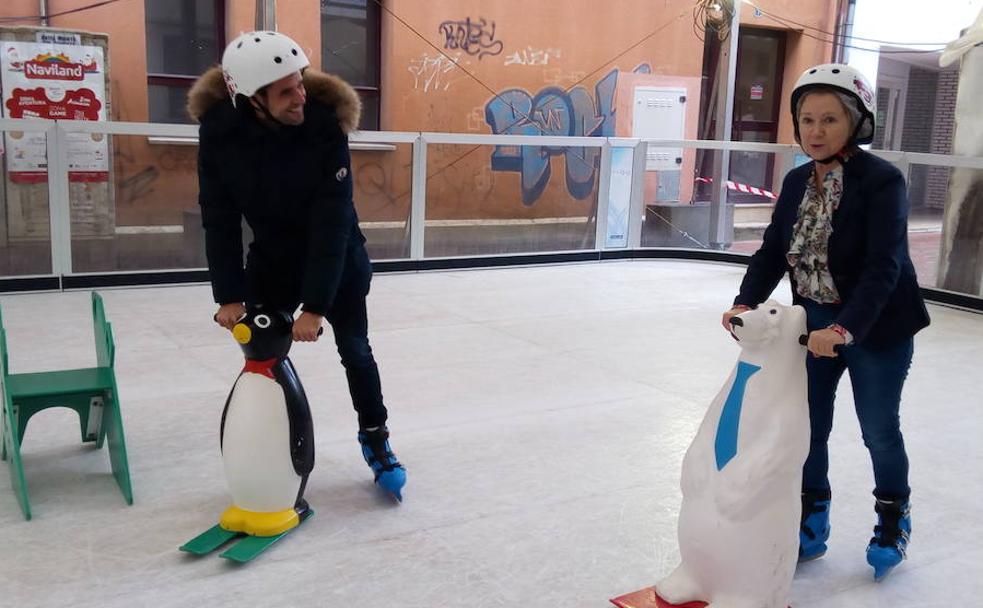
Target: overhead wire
78 9
523 118
788 20
795 25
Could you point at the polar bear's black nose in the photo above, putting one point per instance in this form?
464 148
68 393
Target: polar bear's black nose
737 321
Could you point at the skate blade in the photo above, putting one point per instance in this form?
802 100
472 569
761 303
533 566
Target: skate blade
811 558
392 486
881 574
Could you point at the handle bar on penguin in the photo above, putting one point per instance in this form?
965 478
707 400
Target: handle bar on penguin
320 330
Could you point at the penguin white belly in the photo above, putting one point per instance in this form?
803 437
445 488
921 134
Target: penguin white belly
256 446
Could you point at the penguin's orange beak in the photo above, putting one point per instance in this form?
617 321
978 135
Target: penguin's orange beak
242 333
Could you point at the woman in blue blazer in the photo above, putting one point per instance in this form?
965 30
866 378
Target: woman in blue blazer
840 231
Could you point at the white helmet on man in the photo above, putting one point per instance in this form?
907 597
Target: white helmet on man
843 79
256 59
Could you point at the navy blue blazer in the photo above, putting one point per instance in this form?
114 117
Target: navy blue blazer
868 252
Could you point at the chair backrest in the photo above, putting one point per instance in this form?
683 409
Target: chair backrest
105 348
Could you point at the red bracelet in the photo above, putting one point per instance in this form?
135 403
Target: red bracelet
838 329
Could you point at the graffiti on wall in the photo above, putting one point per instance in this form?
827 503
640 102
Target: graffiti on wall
559 76
138 185
554 112
531 56
476 119
430 73
472 37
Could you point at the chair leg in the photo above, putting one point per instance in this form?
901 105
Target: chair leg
11 449
113 431
95 427
3 434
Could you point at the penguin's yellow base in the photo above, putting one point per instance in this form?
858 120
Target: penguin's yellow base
256 523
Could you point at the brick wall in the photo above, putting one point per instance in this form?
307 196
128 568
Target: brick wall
943 128
917 130
882 99
919 111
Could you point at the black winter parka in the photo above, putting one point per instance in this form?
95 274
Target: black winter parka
293 186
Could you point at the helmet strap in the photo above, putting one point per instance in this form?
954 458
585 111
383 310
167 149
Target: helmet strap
266 111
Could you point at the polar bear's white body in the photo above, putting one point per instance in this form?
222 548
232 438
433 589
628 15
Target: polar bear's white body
739 519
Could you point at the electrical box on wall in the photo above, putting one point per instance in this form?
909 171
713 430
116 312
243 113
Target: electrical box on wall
660 113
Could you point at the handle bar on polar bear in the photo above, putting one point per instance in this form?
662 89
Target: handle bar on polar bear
804 339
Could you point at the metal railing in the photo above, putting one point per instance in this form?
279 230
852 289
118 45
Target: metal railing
56 133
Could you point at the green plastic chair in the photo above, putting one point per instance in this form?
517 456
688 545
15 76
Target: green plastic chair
91 392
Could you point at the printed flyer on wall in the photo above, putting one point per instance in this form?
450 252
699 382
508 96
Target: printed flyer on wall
60 82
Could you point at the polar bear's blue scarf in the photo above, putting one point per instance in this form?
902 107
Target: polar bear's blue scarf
725 445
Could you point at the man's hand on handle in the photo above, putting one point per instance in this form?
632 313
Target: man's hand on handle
307 327
229 314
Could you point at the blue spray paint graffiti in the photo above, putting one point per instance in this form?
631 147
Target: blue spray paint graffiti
554 111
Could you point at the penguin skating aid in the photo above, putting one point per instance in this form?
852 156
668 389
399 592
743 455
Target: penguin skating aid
267 443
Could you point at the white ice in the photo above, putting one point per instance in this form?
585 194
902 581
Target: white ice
541 412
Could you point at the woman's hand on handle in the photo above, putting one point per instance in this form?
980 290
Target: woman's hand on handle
824 342
733 312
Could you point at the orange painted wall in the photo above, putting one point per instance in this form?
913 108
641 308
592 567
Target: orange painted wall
424 89
536 45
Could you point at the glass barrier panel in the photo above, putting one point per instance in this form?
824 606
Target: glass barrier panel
144 214
140 215
677 202
25 228
383 181
487 200
960 240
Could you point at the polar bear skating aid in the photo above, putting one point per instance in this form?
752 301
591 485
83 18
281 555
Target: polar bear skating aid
742 475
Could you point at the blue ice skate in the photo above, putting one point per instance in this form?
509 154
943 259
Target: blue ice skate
389 473
814 531
889 545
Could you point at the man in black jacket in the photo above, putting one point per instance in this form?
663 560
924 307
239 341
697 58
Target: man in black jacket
274 150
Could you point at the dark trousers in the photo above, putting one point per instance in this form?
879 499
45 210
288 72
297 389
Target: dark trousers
349 322
877 377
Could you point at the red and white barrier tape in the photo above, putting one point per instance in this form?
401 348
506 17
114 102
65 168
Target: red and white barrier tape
741 188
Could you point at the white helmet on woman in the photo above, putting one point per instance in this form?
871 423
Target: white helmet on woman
256 59
843 79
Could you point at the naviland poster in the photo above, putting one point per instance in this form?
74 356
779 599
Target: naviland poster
58 82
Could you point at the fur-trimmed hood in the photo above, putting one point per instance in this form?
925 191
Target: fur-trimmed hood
329 90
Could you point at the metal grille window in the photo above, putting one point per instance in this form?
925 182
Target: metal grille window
184 38
350 49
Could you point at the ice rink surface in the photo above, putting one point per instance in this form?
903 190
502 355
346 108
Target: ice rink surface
542 414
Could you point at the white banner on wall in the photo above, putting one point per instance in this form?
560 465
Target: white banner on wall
54 81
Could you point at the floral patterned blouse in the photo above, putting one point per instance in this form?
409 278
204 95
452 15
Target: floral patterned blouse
808 253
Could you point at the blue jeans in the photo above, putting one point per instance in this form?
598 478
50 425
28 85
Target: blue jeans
877 377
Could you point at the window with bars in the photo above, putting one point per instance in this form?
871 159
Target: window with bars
184 38
350 49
